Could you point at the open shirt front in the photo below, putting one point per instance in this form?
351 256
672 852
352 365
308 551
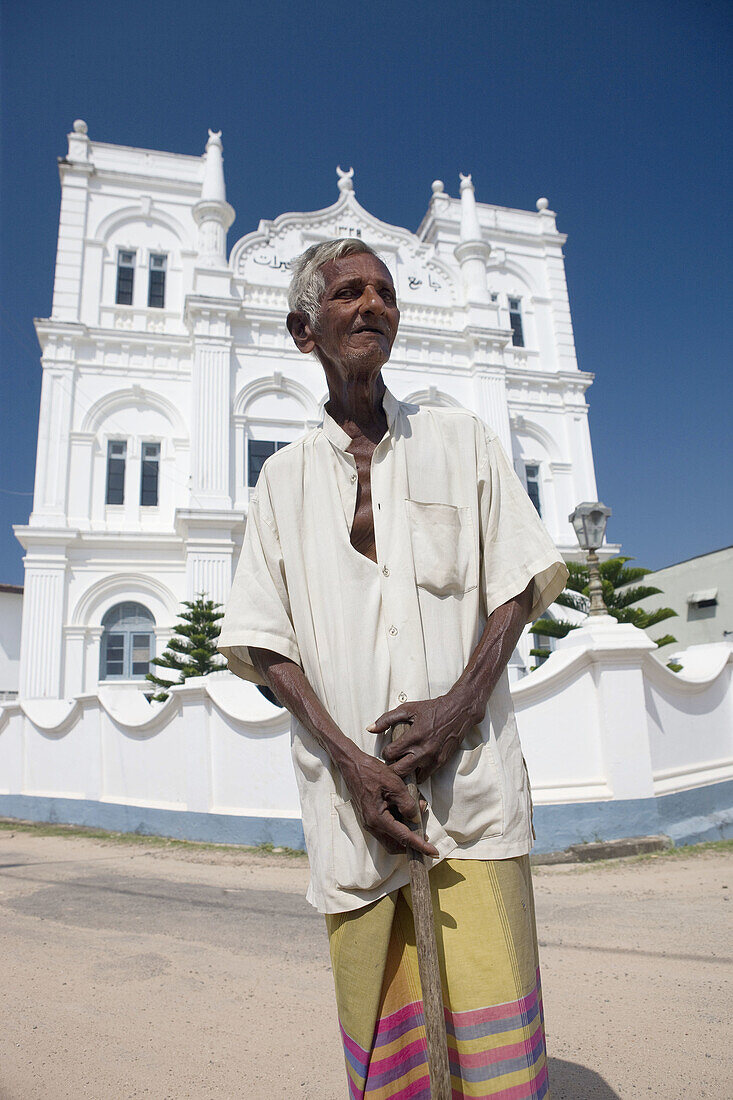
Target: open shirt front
456 536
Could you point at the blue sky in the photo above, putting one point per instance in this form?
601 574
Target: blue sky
619 112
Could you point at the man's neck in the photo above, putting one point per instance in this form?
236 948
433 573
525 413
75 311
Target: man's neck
357 407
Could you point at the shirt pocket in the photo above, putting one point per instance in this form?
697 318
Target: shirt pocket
467 795
443 547
360 862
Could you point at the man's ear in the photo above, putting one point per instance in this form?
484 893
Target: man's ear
300 329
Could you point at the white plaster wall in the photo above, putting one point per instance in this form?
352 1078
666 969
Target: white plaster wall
600 720
11 611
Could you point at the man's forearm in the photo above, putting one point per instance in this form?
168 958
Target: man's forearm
438 726
376 792
292 687
498 641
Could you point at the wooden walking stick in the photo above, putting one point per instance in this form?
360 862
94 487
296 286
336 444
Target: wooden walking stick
427 955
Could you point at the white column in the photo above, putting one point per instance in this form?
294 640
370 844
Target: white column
41 638
492 405
210 573
210 544
210 414
54 423
75 169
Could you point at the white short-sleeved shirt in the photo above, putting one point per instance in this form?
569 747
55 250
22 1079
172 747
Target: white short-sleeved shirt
456 536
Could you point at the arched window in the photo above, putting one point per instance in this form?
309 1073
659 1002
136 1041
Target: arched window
127 642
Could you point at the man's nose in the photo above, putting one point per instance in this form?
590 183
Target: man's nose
371 302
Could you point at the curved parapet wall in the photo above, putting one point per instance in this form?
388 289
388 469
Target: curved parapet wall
616 745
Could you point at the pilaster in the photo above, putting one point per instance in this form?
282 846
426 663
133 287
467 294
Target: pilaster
210 324
210 543
75 169
54 424
44 597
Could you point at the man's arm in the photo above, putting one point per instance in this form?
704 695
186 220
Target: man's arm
438 726
373 786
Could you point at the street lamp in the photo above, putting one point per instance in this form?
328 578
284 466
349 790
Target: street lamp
589 521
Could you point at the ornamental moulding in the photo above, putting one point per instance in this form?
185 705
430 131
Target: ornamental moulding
100 597
135 395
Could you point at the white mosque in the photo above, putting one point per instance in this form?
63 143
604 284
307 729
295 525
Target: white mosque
169 376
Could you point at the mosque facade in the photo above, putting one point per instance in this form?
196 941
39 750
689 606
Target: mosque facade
169 377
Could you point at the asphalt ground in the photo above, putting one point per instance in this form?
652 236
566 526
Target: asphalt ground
139 968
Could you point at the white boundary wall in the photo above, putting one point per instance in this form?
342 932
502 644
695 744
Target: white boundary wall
602 722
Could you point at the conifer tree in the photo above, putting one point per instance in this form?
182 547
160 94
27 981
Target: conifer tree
192 649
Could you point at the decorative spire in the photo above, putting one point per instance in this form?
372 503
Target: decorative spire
346 179
472 251
213 187
78 141
213 213
470 228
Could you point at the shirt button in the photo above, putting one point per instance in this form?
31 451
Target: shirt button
402 697
385 570
393 630
353 477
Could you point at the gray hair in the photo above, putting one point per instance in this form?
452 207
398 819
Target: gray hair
308 284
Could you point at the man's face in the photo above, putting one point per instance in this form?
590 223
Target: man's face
359 317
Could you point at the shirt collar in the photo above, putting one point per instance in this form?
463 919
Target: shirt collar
341 439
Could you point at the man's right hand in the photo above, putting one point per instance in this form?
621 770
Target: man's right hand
375 792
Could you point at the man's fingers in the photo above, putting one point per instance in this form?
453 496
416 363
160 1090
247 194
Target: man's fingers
405 836
400 797
403 745
390 718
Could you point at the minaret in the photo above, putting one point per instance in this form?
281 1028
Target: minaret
208 524
212 213
472 252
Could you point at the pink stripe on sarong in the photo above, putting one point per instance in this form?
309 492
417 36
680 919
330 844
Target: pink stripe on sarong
496 1012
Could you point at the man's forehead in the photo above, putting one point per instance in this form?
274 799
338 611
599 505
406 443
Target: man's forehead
359 265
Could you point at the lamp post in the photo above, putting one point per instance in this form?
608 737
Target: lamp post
589 521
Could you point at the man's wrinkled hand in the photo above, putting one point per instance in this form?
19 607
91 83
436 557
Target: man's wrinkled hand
376 793
435 729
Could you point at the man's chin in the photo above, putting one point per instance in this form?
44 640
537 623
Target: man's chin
368 360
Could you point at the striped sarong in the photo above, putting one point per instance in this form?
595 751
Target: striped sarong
487 946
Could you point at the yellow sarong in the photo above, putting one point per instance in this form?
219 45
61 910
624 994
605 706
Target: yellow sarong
487 947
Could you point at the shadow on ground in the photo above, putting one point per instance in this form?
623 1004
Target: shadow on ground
570 1081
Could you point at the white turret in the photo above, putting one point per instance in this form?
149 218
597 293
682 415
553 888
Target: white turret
472 252
213 213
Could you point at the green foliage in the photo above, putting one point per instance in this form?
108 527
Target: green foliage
192 649
620 591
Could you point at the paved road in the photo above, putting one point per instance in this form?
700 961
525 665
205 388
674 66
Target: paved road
131 971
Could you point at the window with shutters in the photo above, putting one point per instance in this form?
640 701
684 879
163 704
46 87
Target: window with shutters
128 642
515 320
125 278
149 472
116 460
156 281
257 451
532 477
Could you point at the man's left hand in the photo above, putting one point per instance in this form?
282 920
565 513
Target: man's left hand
436 729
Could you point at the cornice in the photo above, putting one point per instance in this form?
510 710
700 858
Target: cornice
574 380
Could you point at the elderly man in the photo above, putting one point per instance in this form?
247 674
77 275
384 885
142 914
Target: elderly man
390 562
